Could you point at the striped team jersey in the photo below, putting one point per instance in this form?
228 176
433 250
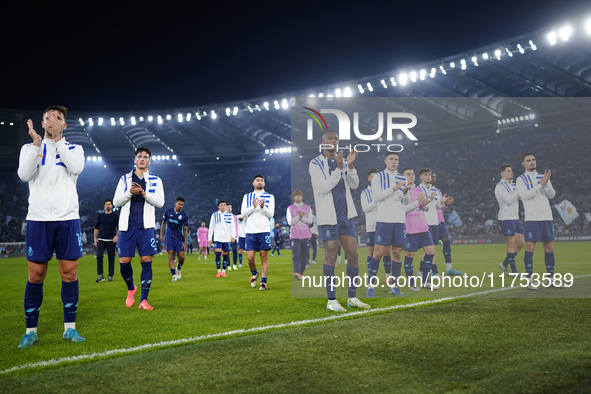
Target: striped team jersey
431 214
369 207
508 199
535 197
389 202
221 227
258 218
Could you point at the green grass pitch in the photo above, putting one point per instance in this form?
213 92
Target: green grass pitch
500 341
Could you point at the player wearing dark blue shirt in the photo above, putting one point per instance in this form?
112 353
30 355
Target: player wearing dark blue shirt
174 232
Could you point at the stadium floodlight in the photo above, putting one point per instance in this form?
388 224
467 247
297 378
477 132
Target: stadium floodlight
88 158
228 111
197 115
433 71
266 105
93 158
133 120
276 104
552 38
588 26
112 121
100 121
328 95
81 121
284 104
452 65
320 94
337 92
369 87
403 79
179 118
235 111
257 107
213 114
250 109
521 50
532 45
168 117
150 118
413 76
509 52
167 157
122 121
312 95
498 54
141 118
90 122
173 157
360 88
485 56
463 64
267 151
422 74
160 121
443 70
347 92
566 32
100 158
188 116
475 61
393 81
383 82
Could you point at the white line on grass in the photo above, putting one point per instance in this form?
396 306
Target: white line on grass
92 356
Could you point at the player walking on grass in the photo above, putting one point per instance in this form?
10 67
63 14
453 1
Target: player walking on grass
299 218
511 227
221 233
174 232
535 190
234 244
138 193
258 207
332 178
51 166
202 235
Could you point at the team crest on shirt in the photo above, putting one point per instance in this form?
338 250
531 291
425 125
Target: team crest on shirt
379 238
530 235
180 217
327 233
30 251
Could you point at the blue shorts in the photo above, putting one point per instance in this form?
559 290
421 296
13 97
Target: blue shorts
63 237
174 244
143 239
539 231
416 241
511 227
241 241
390 234
443 233
332 232
224 246
234 245
370 238
257 242
434 231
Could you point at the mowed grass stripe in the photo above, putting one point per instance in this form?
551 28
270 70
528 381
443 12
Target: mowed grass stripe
479 345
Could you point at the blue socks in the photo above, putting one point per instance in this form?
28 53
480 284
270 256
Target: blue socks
352 273
127 274
33 300
549 260
409 271
70 300
218 260
447 251
328 271
387 260
528 260
146 279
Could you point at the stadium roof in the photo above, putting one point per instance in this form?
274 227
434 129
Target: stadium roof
552 64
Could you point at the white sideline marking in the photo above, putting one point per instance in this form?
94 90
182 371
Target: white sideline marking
91 356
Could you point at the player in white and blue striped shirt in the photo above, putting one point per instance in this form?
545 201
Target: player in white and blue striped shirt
511 227
222 232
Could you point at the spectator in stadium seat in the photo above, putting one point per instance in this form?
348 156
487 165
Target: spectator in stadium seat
51 167
511 227
105 238
138 193
332 178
